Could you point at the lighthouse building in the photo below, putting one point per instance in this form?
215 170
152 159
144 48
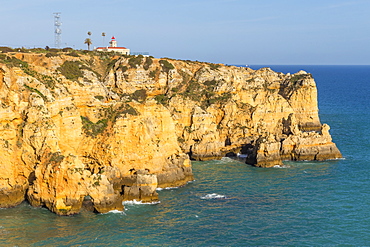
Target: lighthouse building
113 47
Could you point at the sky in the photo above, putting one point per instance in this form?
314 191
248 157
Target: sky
271 32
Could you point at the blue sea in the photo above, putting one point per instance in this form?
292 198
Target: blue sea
233 204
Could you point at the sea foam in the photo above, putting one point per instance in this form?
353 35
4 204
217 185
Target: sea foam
212 196
227 159
167 188
116 212
281 167
135 202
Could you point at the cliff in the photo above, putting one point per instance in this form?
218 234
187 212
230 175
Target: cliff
96 129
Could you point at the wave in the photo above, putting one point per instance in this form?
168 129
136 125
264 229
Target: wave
135 202
342 158
212 196
281 167
167 188
116 212
227 159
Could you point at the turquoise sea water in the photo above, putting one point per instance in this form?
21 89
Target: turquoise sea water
233 204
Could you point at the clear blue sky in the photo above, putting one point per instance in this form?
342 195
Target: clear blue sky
220 31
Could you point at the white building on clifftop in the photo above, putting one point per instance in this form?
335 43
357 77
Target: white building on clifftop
113 47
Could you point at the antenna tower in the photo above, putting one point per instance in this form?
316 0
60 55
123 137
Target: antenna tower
57 29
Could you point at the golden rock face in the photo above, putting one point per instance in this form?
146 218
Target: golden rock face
96 129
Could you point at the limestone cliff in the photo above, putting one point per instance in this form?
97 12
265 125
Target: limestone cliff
100 129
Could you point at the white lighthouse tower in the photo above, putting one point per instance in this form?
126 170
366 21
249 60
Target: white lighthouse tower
113 42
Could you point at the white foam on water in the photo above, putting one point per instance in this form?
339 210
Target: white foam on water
212 196
343 158
116 212
227 159
134 202
167 188
281 167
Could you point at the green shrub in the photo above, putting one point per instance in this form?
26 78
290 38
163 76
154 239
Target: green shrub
36 91
67 49
130 110
56 158
162 99
214 66
185 76
203 93
51 54
135 61
296 78
223 98
93 129
5 49
54 50
99 97
123 68
153 73
37 50
139 95
148 63
210 84
45 79
73 54
71 70
14 62
111 64
112 114
193 91
166 66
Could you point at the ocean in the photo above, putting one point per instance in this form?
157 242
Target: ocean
233 204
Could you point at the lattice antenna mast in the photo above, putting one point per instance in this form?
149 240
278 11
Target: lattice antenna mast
57 29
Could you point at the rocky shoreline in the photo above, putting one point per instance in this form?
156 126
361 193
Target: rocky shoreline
99 129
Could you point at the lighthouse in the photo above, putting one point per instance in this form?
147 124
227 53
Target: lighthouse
113 47
113 42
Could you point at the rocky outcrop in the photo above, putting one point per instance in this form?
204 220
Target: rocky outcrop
310 146
96 129
141 186
303 146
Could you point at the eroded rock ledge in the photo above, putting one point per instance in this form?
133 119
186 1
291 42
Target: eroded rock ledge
97 129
